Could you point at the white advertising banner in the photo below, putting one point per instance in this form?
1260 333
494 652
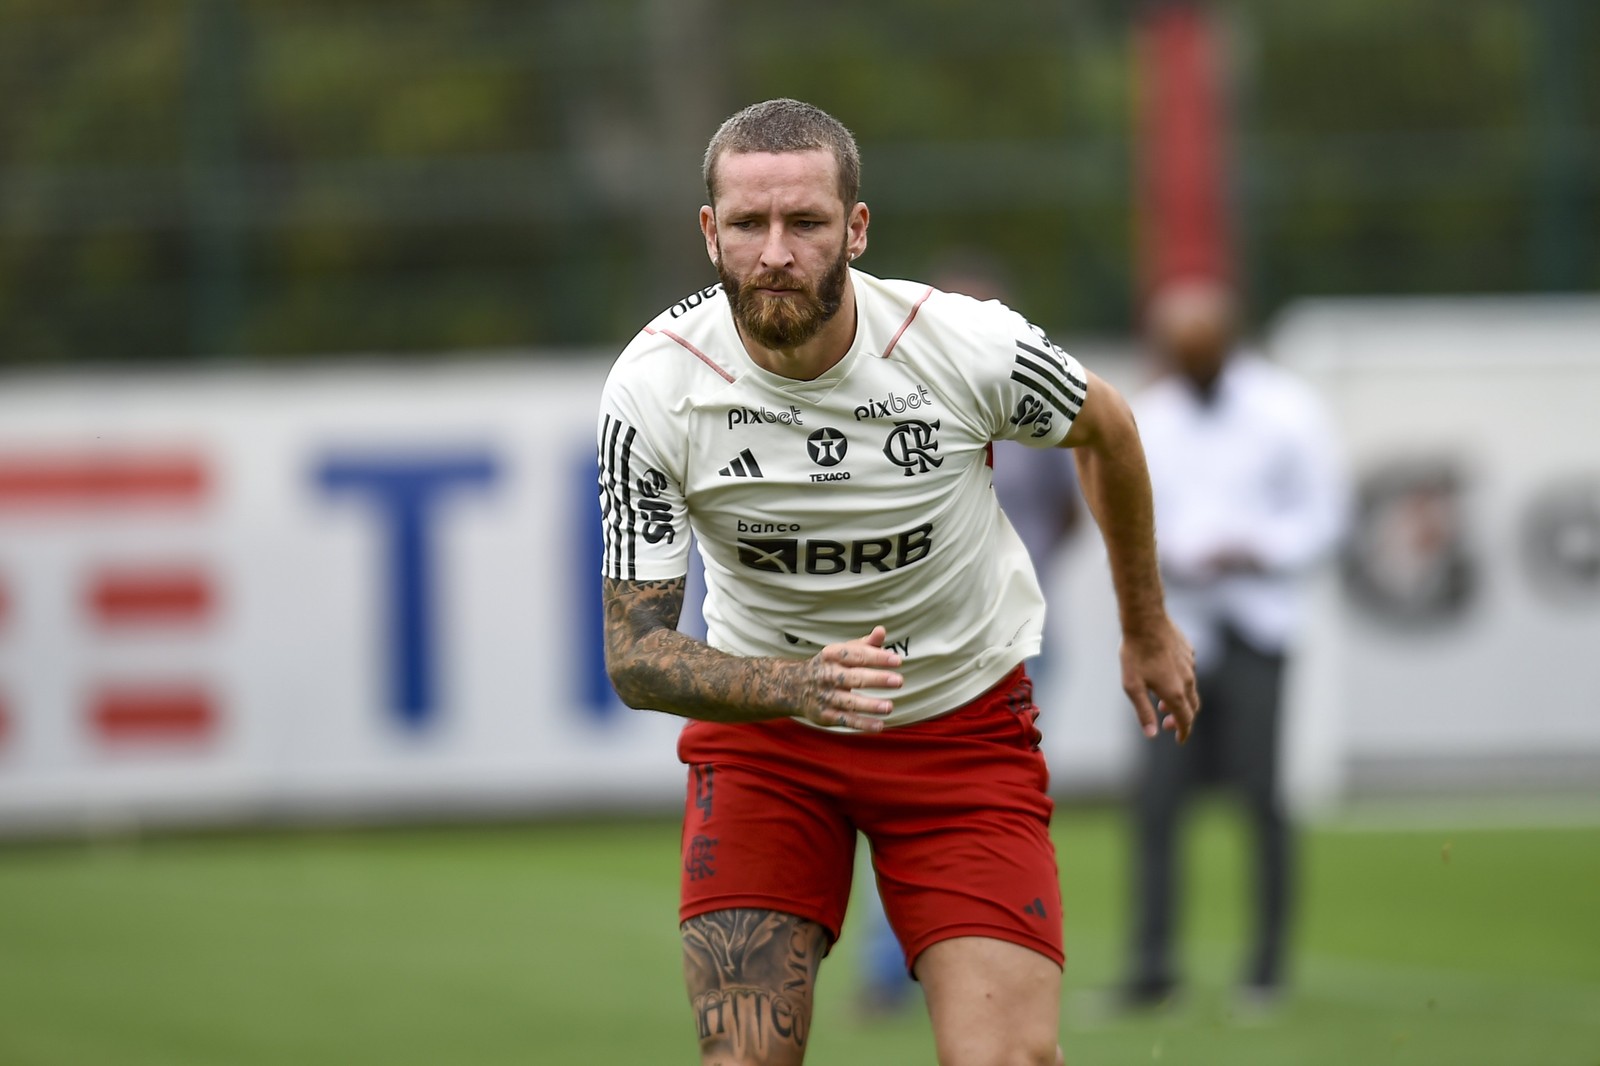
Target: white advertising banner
242 594
248 594
1463 625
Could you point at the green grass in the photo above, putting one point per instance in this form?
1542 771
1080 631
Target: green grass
557 944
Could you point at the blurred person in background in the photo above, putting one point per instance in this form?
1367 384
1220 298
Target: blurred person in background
826 435
1249 497
1038 491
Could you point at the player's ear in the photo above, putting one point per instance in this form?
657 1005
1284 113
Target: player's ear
708 227
856 227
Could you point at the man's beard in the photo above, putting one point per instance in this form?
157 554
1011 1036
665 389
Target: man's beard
784 322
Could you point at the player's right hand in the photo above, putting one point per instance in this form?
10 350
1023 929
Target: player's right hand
832 677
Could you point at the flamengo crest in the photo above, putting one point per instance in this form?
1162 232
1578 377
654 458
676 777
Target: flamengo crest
911 446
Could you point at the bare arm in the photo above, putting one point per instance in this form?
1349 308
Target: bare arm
1116 485
653 665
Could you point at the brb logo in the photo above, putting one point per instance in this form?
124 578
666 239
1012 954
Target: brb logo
791 555
911 446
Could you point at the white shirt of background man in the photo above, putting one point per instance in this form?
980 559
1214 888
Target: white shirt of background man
1254 468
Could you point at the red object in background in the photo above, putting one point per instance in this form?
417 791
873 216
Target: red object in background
153 713
101 476
126 596
32 480
1182 149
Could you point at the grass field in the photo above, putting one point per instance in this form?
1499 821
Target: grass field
557 944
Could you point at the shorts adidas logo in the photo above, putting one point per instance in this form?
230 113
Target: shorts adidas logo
743 465
1036 908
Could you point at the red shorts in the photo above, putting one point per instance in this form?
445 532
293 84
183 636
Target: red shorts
955 809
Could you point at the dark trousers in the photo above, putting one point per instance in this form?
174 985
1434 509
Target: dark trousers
1235 744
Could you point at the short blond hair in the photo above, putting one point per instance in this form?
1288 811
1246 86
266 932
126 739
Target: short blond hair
785 125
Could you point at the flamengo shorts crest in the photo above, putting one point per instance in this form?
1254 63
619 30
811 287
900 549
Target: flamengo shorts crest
955 809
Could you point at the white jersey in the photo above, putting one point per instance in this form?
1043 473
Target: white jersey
864 497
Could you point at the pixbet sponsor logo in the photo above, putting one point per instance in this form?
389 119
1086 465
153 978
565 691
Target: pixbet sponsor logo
793 555
755 416
894 404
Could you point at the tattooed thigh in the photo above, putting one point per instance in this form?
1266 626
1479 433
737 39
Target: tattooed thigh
751 974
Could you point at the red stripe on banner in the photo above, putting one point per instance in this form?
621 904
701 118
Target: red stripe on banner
1182 148
101 478
155 713
158 597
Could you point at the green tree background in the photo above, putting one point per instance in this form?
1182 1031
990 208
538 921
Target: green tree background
284 179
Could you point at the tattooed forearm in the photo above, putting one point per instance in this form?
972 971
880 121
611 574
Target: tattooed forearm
653 665
635 608
751 977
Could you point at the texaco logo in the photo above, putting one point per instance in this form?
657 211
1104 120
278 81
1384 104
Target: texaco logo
827 446
911 446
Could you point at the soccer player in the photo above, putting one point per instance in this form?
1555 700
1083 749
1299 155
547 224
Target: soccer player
826 435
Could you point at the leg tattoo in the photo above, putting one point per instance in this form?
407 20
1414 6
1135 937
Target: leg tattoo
751 975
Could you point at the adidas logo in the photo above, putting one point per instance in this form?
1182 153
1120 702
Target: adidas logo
744 465
1036 908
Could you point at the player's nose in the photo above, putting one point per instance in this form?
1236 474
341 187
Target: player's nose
775 253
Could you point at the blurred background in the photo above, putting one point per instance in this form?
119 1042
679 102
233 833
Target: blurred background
306 748
194 179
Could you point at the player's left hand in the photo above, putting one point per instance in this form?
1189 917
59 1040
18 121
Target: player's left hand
1158 677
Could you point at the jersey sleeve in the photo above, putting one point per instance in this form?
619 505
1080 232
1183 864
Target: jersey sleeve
1034 389
643 517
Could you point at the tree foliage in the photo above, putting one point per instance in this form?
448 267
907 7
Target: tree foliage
286 178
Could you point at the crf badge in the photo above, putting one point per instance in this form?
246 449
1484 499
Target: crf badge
911 446
657 515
